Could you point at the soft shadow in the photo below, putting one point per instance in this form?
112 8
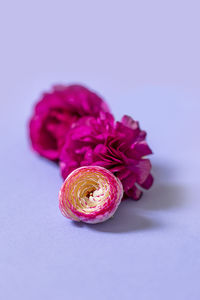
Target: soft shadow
163 197
129 217
124 220
165 193
163 171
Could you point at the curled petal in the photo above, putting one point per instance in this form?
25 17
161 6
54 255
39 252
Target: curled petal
141 168
139 150
134 193
129 122
148 182
90 194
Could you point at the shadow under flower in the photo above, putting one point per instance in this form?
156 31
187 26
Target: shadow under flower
125 220
163 196
129 218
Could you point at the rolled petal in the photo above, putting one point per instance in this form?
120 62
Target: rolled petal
129 122
139 150
148 182
141 168
90 194
134 193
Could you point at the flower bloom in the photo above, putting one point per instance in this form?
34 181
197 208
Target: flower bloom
56 112
90 194
117 146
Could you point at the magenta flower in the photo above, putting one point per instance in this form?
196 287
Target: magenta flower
56 112
117 146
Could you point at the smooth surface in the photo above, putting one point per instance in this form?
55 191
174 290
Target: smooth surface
143 56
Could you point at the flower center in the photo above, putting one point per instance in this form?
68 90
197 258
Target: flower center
90 193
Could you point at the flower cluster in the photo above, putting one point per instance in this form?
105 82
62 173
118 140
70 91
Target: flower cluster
73 126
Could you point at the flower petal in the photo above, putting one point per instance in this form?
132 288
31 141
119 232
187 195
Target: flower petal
148 182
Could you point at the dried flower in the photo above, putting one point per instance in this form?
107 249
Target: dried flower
56 112
90 194
117 146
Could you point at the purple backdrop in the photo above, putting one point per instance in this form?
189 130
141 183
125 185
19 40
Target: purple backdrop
143 56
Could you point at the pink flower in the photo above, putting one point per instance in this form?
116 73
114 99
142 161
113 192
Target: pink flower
117 146
90 194
56 112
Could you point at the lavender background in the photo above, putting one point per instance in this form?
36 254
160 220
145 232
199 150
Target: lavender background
143 56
